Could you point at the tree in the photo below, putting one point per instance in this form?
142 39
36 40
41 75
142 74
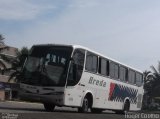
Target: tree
20 59
148 77
17 64
3 58
155 82
1 39
151 85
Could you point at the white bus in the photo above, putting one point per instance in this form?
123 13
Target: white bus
75 76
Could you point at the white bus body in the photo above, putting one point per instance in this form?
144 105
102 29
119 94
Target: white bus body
95 88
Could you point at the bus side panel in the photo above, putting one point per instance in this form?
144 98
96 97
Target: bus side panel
99 86
107 93
73 96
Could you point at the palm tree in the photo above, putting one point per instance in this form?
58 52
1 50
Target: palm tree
148 77
146 74
1 39
3 58
156 80
151 85
17 65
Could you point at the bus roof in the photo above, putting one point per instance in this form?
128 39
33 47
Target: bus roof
85 48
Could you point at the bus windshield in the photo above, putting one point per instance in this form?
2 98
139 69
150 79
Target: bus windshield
47 66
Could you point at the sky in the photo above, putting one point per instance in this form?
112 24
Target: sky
125 30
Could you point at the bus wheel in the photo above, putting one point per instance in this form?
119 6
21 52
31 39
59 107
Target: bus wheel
94 110
85 106
119 112
49 107
126 107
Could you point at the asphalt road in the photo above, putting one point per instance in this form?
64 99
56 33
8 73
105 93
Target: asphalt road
23 110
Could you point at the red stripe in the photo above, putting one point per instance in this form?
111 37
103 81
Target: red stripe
112 86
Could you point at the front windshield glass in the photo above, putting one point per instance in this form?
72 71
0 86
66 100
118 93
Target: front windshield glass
47 66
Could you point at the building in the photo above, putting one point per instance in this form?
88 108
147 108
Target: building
6 90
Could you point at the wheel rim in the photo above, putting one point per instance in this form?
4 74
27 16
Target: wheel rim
126 107
86 105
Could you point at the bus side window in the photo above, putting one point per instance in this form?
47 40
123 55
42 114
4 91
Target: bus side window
123 73
131 77
139 79
103 66
114 70
91 62
76 67
111 73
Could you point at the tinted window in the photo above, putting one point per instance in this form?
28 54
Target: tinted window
131 77
76 67
103 66
91 62
78 57
123 73
114 70
47 66
139 79
111 73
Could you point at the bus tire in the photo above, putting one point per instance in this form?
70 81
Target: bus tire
49 107
85 106
95 110
126 107
119 112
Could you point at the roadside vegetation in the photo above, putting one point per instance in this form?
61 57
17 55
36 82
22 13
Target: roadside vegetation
3 57
151 98
16 62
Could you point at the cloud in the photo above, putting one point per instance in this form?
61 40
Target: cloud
21 9
115 29
84 3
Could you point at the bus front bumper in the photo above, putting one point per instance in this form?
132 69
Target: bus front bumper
57 98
